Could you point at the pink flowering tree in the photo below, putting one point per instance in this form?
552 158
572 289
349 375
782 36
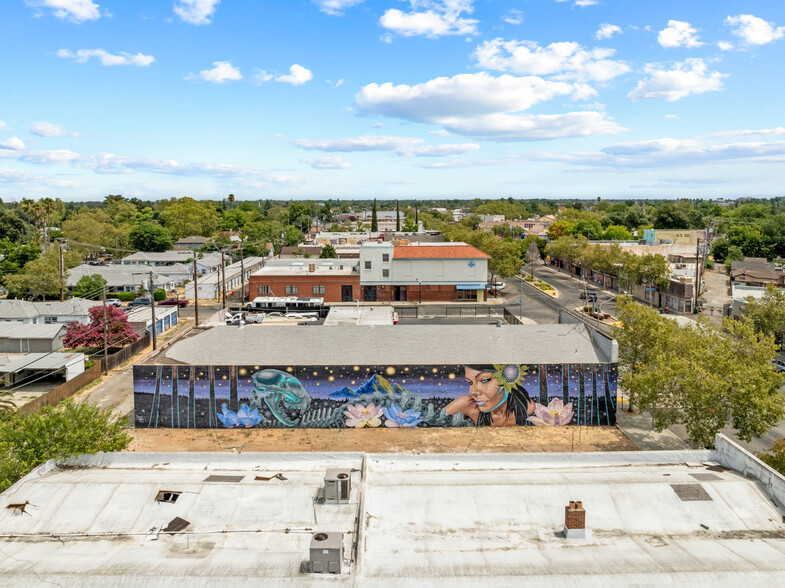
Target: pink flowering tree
119 331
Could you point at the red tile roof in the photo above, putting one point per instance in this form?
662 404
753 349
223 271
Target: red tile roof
438 252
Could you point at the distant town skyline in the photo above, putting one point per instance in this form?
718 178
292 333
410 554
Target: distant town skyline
356 99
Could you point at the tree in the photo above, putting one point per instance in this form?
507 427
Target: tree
617 233
505 258
704 376
186 217
73 428
147 236
768 314
734 253
93 228
409 226
374 219
328 252
15 256
775 457
118 330
40 277
568 248
90 286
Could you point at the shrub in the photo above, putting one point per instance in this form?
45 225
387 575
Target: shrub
709 264
159 294
125 296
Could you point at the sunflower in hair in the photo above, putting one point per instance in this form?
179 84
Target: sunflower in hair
509 375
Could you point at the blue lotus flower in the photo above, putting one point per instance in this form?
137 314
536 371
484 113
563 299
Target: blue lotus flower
242 419
397 417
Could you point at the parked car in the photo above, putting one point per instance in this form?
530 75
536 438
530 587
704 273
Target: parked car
114 302
139 302
173 302
778 365
496 286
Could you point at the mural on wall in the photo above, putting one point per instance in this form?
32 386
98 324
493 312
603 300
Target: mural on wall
183 396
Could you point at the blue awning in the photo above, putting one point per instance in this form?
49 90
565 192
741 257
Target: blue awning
471 286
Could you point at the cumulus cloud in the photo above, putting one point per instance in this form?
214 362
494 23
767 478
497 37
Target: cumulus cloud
754 30
606 31
336 7
581 3
47 129
196 12
331 162
106 58
751 132
222 71
563 60
297 76
679 34
438 150
724 45
485 107
685 79
77 11
514 17
364 143
431 18
3 126
12 144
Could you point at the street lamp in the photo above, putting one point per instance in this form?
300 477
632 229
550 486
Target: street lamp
599 306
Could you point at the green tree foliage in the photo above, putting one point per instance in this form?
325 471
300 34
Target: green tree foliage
90 286
146 236
617 233
15 256
775 457
186 217
768 313
704 376
747 238
12 227
568 248
409 226
328 252
94 228
72 428
40 278
159 294
374 219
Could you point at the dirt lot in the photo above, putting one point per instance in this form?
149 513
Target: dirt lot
463 440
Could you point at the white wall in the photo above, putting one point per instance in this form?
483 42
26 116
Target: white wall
374 254
439 271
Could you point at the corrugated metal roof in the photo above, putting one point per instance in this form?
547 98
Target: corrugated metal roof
41 361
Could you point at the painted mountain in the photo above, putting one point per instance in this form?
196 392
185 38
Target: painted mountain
375 383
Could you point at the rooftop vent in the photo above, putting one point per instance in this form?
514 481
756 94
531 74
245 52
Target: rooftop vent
337 487
574 520
167 496
326 553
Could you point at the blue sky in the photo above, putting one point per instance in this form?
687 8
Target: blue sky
391 98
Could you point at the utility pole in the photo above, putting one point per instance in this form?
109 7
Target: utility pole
223 279
242 277
697 273
106 331
152 310
196 294
60 265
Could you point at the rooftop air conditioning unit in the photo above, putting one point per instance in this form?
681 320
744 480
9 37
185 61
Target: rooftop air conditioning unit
326 553
337 487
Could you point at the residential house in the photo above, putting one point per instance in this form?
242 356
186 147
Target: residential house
211 286
192 243
48 312
27 338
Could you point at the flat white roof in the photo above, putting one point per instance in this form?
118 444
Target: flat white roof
359 315
653 518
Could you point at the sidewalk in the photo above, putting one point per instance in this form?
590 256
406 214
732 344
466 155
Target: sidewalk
637 428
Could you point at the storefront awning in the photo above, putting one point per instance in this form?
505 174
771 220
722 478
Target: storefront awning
471 286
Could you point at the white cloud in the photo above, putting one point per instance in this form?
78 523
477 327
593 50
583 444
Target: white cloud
12 144
364 143
331 162
754 30
581 3
685 79
438 150
222 71
679 34
77 11
724 45
260 76
336 7
431 18
47 129
106 58
3 126
486 107
514 17
440 132
565 60
673 116
606 31
297 76
196 12
751 133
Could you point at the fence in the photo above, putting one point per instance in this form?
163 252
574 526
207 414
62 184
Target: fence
72 386
456 311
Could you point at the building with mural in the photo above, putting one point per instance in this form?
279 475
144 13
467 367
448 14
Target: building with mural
387 376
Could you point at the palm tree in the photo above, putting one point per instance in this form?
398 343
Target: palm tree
6 402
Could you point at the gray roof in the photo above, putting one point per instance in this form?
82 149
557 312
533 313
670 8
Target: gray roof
117 276
193 240
653 518
382 345
41 361
72 307
17 309
25 331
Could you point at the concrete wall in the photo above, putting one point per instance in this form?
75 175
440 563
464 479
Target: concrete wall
733 456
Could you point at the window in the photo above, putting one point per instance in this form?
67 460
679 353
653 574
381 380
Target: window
319 289
291 289
49 320
263 289
385 257
367 265
385 273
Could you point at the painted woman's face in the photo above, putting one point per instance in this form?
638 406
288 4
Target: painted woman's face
484 389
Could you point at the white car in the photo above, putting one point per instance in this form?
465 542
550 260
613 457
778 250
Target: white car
496 286
114 302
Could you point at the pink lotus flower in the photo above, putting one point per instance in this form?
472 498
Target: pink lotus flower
359 416
555 414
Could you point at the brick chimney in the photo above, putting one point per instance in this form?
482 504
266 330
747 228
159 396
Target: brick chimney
574 520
